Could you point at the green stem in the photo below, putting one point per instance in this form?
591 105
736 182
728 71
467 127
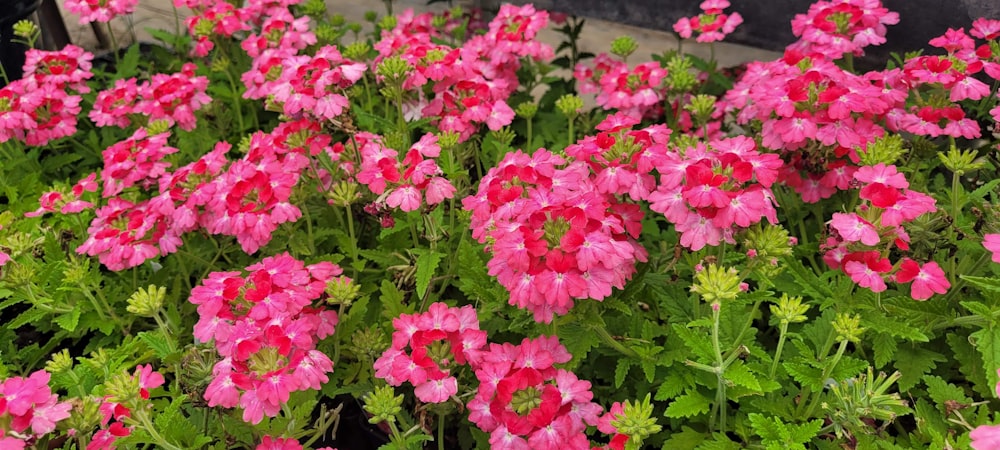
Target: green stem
440 436
572 134
350 232
160 440
720 390
309 229
826 374
608 339
114 47
777 353
529 135
237 100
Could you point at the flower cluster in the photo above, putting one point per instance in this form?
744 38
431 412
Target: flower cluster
438 340
523 401
860 240
28 409
273 443
403 184
263 325
66 202
555 236
315 84
636 91
471 84
712 25
100 10
247 198
842 27
709 191
43 105
817 114
173 98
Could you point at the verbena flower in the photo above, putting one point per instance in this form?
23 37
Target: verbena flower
439 341
712 25
264 326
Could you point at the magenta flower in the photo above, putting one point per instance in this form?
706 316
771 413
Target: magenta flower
985 437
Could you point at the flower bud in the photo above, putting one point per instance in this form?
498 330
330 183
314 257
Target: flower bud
624 46
370 341
848 327
344 193
383 405
526 110
357 51
885 150
146 302
716 284
789 310
61 362
26 30
448 139
370 16
961 162
570 105
387 23
342 291
637 420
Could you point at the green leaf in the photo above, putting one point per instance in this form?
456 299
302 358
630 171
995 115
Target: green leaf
427 263
692 403
671 387
392 301
621 371
579 340
70 320
912 363
687 439
699 343
970 363
985 285
779 435
987 341
128 66
943 392
157 342
805 373
33 314
885 348
741 375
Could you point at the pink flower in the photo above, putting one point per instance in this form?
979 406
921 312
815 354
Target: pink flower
985 437
992 243
853 228
270 443
927 280
425 365
100 11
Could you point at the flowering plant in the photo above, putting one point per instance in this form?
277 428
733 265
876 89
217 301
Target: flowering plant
284 230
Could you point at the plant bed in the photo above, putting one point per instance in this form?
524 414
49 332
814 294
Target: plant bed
281 230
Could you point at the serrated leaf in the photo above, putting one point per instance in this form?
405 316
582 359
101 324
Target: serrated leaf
805 374
741 375
912 363
427 263
70 320
621 371
157 342
986 342
699 343
671 387
33 314
885 348
970 363
984 284
578 340
392 301
687 439
719 442
779 435
690 404
942 392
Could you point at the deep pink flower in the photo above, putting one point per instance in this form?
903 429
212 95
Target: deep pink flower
985 437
